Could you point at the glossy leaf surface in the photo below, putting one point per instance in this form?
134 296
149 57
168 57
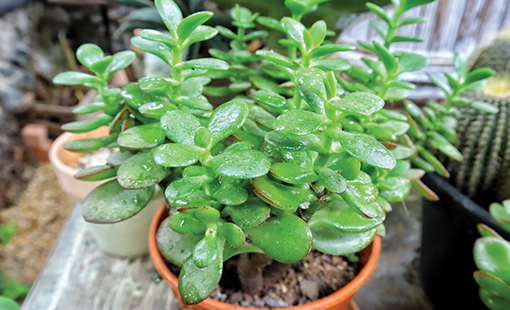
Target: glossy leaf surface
281 196
142 137
248 215
227 119
175 247
243 164
140 171
176 155
359 103
180 126
337 243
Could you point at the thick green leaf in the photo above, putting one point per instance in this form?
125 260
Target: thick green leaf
186 223
318 33
89 108
327 49
331 64
232 233
232 196
492 256
121 60
175 247
227 119
8 304
156 48
492 284
406 5
180 126
87 125
97 173
337 243
155 86
156 36
281 196
339 216
333 181
294 29
380 27
394 189
277 58
440 82
501 215
359 103
298 123
492 301
445 146
292 173
271 99
170 14
294 143
88 54
205 252
485 107
190 23
195 284
205 63
248 215
140 171
378 11
202 33
142 137
412 20
478 75
311 87
156 109
286 239
76 78
110 203
461 64
89 145
367 149
244 164
136 97
389 61
176 155
396 94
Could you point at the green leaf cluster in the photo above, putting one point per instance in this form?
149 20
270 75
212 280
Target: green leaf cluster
302 155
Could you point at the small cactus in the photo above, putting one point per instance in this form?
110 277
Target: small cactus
484 138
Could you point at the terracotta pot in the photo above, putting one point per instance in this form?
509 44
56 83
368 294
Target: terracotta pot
63 162
340 300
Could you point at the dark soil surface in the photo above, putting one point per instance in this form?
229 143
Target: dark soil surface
316 276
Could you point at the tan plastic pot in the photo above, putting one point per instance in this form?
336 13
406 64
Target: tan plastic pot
340 300
63 162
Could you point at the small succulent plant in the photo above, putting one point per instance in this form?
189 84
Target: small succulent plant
303 157
492 257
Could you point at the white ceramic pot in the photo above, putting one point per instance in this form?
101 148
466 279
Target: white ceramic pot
124 239
128 238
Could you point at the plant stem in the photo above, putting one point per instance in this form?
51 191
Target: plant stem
249 268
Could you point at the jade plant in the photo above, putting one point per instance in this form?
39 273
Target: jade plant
492 257
304 157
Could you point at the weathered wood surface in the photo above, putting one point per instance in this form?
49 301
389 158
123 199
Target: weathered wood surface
79 276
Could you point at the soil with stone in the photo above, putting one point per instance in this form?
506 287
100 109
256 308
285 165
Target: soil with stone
315 276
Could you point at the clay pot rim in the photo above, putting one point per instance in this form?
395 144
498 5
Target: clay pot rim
344 293
53 153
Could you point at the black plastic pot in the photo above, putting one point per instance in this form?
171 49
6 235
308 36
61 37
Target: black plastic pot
448 235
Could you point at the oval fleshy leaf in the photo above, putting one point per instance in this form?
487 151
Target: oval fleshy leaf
248 215
337 243
311 87
195 284
170 14
359 102
186 223
492 256
339 216
232 233
243 164
110 203
292 173
298 123
205 252
226 119
367 149
176 155
88 54
281 196
232 196
142 137
175 247
332 180
87 125
140 171
286 239
97 173
492 284
180 126
89 145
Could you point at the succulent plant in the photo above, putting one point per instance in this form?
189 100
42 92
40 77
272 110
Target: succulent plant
483 136
492 255
304 157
